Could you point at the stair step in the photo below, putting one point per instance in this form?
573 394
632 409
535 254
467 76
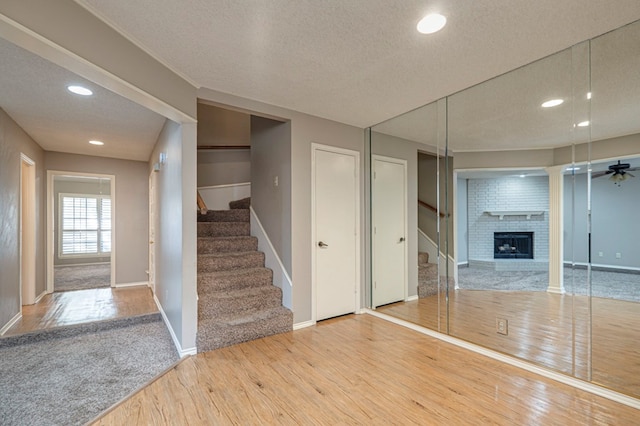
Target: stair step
215 333
235 215
207 245
423 257
220 304
427 271
235 279
240 204
228 261
223 229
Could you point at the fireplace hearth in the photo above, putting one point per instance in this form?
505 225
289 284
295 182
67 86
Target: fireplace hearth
513 245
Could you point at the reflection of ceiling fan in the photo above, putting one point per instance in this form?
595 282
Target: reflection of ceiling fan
619 172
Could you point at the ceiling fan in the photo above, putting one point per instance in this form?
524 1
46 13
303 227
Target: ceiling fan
619 172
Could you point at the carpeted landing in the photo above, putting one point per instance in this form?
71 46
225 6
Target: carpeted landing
81 277
237 300
73 374
605 284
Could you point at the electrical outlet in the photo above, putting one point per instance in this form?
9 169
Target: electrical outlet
618 255
600 254
502 326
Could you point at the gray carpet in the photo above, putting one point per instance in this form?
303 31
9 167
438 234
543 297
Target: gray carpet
81 277
611 285
237 300
70 380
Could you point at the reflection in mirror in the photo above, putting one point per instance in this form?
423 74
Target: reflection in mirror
509 294
615 203
410 140
535 212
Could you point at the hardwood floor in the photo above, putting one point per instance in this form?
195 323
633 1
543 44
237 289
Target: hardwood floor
358 370
542 330
81 306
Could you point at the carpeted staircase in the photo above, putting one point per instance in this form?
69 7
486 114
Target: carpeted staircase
237 300
427 276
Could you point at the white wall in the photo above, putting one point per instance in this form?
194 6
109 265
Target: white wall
13 141
131 203
305 129
507 193
175 260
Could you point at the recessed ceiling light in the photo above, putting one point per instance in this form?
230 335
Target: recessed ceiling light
96 142
79 90
552 103
572 169
583 123
523 176
431 23
589 95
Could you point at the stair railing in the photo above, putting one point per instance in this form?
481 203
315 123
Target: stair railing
430 207
202 205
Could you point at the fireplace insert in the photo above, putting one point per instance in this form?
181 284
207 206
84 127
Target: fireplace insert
513 245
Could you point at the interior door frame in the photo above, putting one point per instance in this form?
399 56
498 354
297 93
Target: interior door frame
404 164
51 223
356 155
153 206
27 203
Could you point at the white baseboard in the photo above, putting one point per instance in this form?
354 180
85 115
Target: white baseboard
11 323
176 342
140 283
304 324
39 298
550 374
411 298
603 266
272 260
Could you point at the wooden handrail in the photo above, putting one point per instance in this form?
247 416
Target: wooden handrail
207 147
430 207
202 205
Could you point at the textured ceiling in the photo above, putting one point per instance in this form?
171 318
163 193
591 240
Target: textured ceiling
355 61
33 92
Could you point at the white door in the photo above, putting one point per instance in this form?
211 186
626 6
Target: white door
335 231
389 218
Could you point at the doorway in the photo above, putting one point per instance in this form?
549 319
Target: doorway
27 230
335 228
80 238
389 233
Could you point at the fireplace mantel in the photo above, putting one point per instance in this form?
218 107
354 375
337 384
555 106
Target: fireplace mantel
502 213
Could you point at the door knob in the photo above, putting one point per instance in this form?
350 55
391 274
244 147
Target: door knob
401 240
321 244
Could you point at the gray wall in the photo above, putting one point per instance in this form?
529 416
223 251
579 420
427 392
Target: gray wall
131 203
175 230
13 141
614 221
391 146
271 157
305 130
222 167
96 187
223 127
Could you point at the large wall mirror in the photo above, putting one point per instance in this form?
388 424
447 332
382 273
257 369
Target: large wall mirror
510 209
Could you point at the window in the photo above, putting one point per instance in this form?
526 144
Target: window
85 225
